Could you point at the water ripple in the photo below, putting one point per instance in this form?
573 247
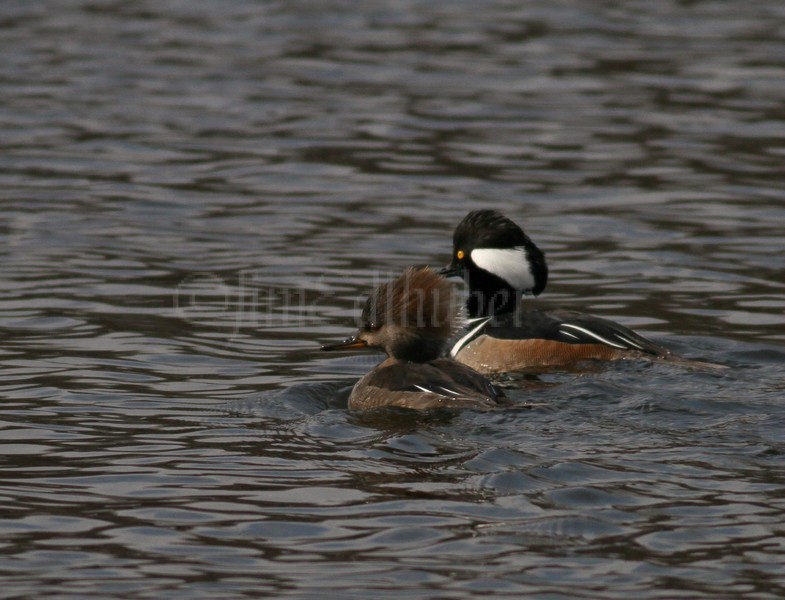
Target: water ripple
195 199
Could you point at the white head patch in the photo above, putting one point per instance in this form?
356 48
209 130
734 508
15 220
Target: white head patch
511 264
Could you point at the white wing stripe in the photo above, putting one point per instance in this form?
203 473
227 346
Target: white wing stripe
446 392
629 341
449 391
465 339
592 334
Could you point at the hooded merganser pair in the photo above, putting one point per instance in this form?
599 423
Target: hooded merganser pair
500 264
411 319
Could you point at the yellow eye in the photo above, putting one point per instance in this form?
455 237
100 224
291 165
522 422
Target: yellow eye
459 255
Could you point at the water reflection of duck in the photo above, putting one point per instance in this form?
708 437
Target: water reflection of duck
500 264
411 319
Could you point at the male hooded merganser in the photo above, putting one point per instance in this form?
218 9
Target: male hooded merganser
500 264
411 319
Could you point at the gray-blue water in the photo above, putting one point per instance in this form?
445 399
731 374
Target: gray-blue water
196 195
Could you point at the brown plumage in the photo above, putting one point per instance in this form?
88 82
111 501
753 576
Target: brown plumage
411 319
491 356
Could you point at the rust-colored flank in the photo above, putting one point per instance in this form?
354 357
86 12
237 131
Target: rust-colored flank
489 355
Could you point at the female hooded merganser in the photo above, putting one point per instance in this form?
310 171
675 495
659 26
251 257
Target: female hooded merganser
500 264
411 319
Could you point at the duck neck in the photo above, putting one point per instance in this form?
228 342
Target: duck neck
488 303
414 346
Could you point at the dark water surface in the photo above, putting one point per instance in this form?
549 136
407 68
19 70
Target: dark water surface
195 195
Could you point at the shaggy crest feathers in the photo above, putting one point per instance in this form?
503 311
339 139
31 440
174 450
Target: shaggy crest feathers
419 298
411 318
489 229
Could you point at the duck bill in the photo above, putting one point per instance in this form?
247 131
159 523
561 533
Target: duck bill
352 343
451 271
